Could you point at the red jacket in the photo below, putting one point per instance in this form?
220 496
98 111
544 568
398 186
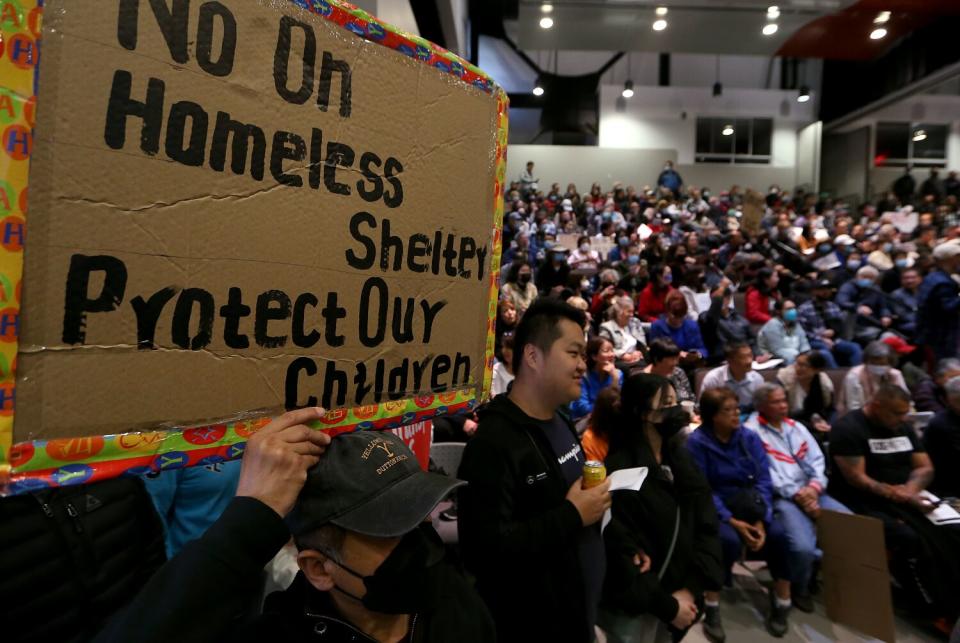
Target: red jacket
758 306
650 302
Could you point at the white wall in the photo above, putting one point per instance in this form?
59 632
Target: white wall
809 141
584 165
928 108
653 120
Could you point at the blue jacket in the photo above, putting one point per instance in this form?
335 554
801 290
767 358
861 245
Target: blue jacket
938 313
729 467
687 337
851 296
590 387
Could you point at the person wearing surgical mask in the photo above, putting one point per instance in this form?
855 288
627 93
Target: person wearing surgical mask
519 288
653 589
584 258
782 336
861 382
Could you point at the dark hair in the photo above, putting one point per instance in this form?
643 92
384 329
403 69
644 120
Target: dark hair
888 392
762 276
636 398
661 348
712 400
514 272
507 342
733 348
656 272
815 359
540 326
594 346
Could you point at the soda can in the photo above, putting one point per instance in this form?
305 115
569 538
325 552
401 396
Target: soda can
594 473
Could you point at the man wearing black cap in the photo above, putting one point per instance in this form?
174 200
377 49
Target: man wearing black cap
528 531
370 569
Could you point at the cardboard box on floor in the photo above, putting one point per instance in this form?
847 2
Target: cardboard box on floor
856 582
246 207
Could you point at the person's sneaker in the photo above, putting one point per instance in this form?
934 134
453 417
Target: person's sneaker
713 625
777 618
803 602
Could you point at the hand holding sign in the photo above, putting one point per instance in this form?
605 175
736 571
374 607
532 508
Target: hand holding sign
277 457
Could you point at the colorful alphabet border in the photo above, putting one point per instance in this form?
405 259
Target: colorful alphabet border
42 464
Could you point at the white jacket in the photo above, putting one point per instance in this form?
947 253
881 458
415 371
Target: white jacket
796 460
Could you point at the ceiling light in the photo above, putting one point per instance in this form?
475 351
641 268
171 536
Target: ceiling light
727 130
773 12
882 17
770 29
659 25
919 135
804 94
627 89
878 33
538 89
546 22
661 11
718 89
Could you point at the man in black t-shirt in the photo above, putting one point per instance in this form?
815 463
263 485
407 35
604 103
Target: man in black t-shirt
882 471
528 531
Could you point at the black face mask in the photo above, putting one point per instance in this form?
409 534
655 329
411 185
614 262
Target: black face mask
672 420
405 582
523 279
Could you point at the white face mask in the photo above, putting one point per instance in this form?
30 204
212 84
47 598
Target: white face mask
584 248
877 370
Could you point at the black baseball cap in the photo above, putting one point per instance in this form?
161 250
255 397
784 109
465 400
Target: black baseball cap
368 482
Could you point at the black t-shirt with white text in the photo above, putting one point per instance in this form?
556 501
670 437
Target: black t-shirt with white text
888 455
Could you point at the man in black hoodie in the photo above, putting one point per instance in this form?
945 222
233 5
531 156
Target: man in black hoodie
528 530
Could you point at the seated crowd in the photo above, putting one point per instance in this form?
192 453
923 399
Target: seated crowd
760 370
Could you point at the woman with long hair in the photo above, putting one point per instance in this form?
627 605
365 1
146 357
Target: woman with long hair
662 545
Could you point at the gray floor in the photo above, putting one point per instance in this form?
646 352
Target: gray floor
743 608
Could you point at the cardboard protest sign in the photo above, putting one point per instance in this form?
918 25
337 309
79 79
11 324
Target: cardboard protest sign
754 206
241 207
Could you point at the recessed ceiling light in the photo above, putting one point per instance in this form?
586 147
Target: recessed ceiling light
770 29
804 94
538 90
773 12
661 11
919 135
878 33
727 130
882 17
659 25
546 22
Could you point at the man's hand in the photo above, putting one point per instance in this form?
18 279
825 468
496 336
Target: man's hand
277 457
642 561
866 311
922 504
630 358
822 426
828 334
686 611
469 427
899 493
592 502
